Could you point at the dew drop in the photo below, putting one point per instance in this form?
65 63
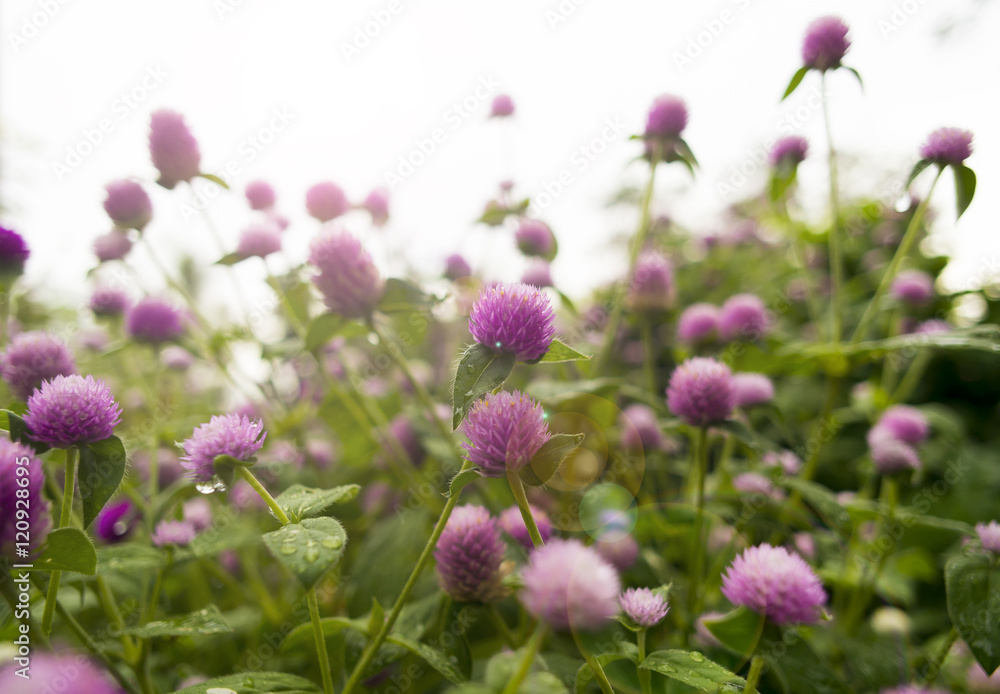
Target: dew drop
212 486
470 368
312 554
697 657
333 543
288 548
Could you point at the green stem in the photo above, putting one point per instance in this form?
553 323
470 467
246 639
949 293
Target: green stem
648 353
911 379
65 512
809 469
753 677
6 297
595 666
321 652
517 489
836 257
530 651
935 668
264 494
11 596
508 635
700 464
645 676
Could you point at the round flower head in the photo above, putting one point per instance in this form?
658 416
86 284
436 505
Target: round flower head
652 283
228 434
913 287
754 483
173 148
128 205
35 505
377 205
154 321
326 201
786 460
33 357
701 391
570 586
639 429
348 279
115 522
667 117
698 323
502 106
106 301
774 582
904 423
469 556
891 456
515 319
402 429
456 266
751 389
621 552
512 523
113 245
538 274
789 151
13 254
535 238
505 430
177 533
643 606
176 358
933 327
947 146
259 240
70 410
989 535
52 672
743 317
825 44
260 195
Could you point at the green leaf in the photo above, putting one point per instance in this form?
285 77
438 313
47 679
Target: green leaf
545 463
376 618
463 478
67 549
207 620
779 184
559 351
479 371
798 668
823 502
14 425
694 670
432 656
972 587
129 558
742 433
965 187
302 635
255 683
231 259
401 296
916 171
323 329
585 675
856 74
685 153
300 502
214 179
738 630
495 213
102 467
796 81
308 549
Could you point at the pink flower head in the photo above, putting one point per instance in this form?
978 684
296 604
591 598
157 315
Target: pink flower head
32 358
786 460
751 389
113 245
512 523
456 266
401 427
154 321
789 151
701 391
173 148
904 423
176 358
177 533
538 274
989 535
260 195
326 201
825 44
348 279
933 327
35 522
667 118
913 287
259 240
106 301
57 672
643 606
743 317
469 556
502 106
652 283
947 146
505 430
621 551
128 205
13 254
115 522
912 690
639 429
513 318
535 238
756 483
698 323
774 582
70 410
891 456
229 434
377 205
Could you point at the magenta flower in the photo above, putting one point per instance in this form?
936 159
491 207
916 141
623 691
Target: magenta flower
652 283
105 301
154 321
377 205
989 535
535 238
643 606
326 201
259 240
538 274
698 323
260 195
177 533
70 410
230 434
402 429
751 389
789 151
933 327
701 391
903 423
774 582
913 287
570 586
756 483
33 357
173 148
514 319
502 106
512 523
115 522
667 118
891 456
947 146
456 266
13 254
786 460
913 690
621 552
128 205
350 283
65 672
469 556
113 245
176 358
34 503
639 429
825 44
505 430
743 317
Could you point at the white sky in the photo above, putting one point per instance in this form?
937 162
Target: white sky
227 72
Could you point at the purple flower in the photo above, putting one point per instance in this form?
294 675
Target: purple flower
70 410
989 535
326 201
643 606
891 456
12 457
756 483
947 146
502 106
913 287
260 195
113 523
13 253
456 266
701 391
751 389
743 317
154 321
259 240
377 205
667 118
903 423
570 586
350 283
774 582
698 323
538 274
228 434
33 357
912 690
469 556
513 318
512 523
176 358
402 429
639 429
825 44
198 512
505 430
177 533
113 245
50 672
128 205
933 327
105 301
786 460
535 238
652 283
173 148
621 551
789 151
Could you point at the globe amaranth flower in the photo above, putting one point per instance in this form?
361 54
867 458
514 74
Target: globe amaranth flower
667 117
326 201
51 672
755 483
456 266
538 274
154 321
259 240
825 44
912 690
913 287
639 429
891 456
701 391
786 460
22 478
469 556
107 301
502 106
198 512
128 205
70 410
512 523
514 319
260 195
569 586
177 533
116 521
989 535
176 358
698 323
505 430
13 254
652 283
113 245
173 148
933 326
535 238
32 358
789 151
621 551
743 317
350 283
903 423
643 606
774 582
401 427
229 434
947 146
377 205
751 389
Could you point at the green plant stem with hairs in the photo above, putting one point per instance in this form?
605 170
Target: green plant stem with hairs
65 513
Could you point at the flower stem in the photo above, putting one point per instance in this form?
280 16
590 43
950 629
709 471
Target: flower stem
317 627
648 353
530 651
645 676
935 668
66 509
836 255
595 666
517 489
508 635
700 463
753 677
264 494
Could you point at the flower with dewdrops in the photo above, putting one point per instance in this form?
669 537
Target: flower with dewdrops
989 535
751 389
643 606
175 533
348 279
260 195
173 148
505 430
230 435
512 523
701 391
18 462
825 44
515 319
947 146
469 556
775 582
128 205
259 240
70 410
698 323
13 254
113 245
32 358
154 321
326 201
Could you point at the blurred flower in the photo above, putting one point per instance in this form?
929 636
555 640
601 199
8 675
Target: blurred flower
13 254
698 323
538 274
228 434
178 533
756 483
825 44
751 389
259 240
502 106
890 621
701 391
173 148
469 556
947 146
505 430
980 682
621 551
50 672
113 245
891 456
260 195
903 423
350 283
933 327
702 634
805 544
912 690
535 238
455 266
36 524
788 461
774 582
643 606
32 358
652 283
128 205
667 117
513 318
512 523
989 535
105 301
639 428
402 429
913 287
377 205
176 358
154 321
743 317
326 201
70 410
115 521
789 151
198 512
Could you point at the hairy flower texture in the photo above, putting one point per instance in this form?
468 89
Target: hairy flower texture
701 391
774 582
643 606
538 274
913 287
260 195
989 535
751 389
621 551
825 44
502 106
50 672
667 117
107 301
128 205
326 201
115 522
178 533
377 205
350 283
469 556
33 357
756 483
891 456
505 430
259 240
13 253
535 238
788 461
652 283
154 321
515 319
12 455
698 323
113 245
173 148
512 523
639 429
947 146
569 586
743 317
456 266
70 410
228 434
904 423
789 151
